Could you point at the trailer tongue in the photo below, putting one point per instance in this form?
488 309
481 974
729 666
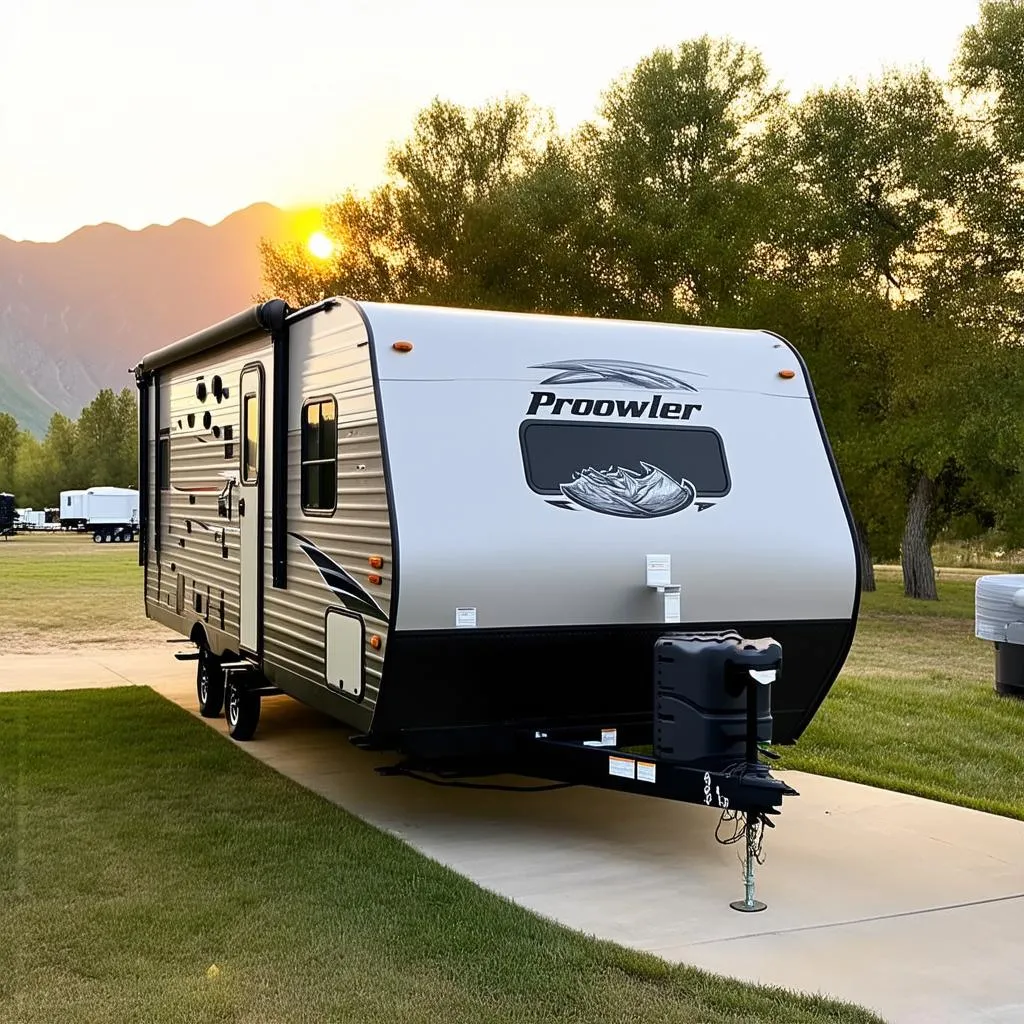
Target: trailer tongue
712 712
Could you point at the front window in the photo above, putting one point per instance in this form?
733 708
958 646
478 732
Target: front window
319 456
557 454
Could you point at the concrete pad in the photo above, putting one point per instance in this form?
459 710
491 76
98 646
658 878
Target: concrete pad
910 907
89 669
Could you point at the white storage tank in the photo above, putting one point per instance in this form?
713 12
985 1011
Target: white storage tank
999 617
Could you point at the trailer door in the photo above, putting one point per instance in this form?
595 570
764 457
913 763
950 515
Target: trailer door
250 508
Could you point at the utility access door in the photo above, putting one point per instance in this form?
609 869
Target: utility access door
250 507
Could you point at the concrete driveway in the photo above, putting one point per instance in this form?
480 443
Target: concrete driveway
910 907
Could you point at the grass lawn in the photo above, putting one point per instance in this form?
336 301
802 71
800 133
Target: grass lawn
138 850
62 590
915 710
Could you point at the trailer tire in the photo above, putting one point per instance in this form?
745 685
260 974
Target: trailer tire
242 711
96 538
209 684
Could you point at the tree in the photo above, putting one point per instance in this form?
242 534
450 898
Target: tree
414 238
33 475
896 196
674 159
62 445
8 450
989 68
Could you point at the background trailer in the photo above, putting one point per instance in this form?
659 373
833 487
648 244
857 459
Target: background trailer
501 540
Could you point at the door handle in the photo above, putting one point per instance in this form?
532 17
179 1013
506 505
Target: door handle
241 506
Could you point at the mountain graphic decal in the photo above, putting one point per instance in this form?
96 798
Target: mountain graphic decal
633 495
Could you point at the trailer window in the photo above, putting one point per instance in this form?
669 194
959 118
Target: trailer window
319 456
251 438
554 453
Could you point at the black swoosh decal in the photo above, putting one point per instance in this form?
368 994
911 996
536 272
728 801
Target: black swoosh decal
344 586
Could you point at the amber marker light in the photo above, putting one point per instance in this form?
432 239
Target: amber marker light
375 642
402 346
376 562
373 578
787 374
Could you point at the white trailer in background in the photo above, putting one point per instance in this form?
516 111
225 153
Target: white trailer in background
111 513
71 515
31 519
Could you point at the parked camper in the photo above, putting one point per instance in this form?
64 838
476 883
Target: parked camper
108 513
7 515
72 514
502 537
31 519
111 513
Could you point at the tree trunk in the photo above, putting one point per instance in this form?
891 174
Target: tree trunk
916 554
867 566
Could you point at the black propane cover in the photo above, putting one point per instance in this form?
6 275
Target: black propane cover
700 696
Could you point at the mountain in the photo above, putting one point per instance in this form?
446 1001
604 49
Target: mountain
76 314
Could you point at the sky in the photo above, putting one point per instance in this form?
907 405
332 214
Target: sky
142 111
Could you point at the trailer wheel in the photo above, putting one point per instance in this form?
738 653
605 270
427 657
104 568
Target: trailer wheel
209 684
96 538
242 711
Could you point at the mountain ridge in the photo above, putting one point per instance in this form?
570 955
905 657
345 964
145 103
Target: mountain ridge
77 312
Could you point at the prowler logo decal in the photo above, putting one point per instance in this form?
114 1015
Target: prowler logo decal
345 588
635 457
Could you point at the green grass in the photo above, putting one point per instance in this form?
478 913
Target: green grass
62 589
138 850
915 710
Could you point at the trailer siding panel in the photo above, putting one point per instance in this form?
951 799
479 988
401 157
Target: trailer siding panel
329 358
193 578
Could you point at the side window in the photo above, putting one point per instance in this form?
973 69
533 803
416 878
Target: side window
164 462
250 438
319 456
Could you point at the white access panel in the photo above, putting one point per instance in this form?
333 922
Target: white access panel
345 644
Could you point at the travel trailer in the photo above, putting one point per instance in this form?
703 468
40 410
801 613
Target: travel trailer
109 513
487 538
31 519
72 515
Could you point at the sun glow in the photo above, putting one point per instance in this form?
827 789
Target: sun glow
320 245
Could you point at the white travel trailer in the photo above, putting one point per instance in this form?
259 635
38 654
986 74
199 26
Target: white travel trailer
72 513
109 513
31 519
484 535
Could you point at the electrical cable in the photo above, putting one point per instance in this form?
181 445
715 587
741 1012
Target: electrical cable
458 784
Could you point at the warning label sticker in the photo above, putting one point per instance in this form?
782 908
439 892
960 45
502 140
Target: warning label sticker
623 767
645 771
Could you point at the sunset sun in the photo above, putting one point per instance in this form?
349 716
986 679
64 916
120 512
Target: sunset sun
320 245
